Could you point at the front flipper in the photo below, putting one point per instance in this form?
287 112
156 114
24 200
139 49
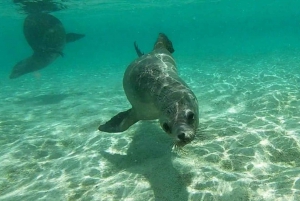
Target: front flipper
138 51
120 122
71 37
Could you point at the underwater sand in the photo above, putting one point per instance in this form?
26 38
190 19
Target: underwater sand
248 146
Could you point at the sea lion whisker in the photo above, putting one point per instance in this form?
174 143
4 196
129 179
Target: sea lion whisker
179 149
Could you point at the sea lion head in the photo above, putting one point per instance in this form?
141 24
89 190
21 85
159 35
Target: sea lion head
181 120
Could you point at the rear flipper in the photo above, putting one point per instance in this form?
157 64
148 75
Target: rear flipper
71 37
138 51
120 122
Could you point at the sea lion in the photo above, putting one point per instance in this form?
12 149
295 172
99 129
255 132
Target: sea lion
47 37
155 91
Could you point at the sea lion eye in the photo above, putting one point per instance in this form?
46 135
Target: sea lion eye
166 128
190 117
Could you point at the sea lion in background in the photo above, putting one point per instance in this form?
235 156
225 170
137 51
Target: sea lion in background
47 37
155 91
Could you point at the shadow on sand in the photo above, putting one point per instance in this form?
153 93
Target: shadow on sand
149 154
46 99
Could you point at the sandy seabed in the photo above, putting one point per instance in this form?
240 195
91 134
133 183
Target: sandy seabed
247 148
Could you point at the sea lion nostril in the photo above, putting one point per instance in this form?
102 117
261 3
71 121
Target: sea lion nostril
181 136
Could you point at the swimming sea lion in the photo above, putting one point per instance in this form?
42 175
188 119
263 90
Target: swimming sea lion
155 91
47 37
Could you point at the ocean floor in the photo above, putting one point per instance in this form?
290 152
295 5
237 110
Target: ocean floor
247 148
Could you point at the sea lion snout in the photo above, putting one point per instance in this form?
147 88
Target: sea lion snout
186 138
185 126
184 135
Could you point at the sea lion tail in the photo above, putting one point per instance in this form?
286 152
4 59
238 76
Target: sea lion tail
163 42
120 122
71 37
138 51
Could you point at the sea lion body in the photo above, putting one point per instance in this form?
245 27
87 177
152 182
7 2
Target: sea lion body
155 91
44 33
146 81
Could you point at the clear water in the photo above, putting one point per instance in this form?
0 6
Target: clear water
241 58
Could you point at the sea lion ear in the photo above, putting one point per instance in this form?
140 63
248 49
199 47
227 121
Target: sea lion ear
71 37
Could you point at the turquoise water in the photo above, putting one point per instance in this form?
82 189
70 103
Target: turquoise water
241 59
